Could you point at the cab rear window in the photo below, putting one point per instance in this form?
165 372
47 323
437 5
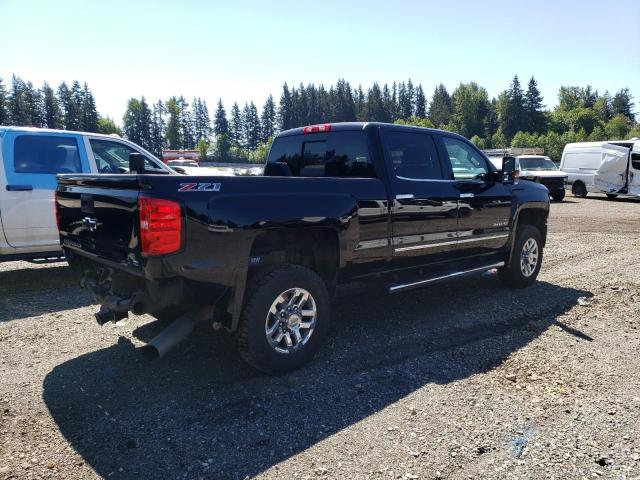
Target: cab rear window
336 154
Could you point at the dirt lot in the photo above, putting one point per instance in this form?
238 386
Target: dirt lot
466 380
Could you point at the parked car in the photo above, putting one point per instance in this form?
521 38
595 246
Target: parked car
182 163
582 162
262 255
30 158
535 168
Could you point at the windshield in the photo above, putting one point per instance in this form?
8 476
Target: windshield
537 163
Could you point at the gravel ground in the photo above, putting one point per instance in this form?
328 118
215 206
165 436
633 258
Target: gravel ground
465 380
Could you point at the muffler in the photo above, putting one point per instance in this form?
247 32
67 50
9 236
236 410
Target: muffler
175 332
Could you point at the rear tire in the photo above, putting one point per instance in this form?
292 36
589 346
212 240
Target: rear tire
558 196
285 319
579 190
526 259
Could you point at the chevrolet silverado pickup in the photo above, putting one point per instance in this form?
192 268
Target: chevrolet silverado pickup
262 256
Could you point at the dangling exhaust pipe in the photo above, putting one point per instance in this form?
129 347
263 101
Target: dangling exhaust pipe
174 333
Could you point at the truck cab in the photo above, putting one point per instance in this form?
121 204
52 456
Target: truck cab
30 158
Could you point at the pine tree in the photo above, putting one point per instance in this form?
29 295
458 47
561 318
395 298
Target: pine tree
623 104
18 106
236 128
388 104
411 97
52 115
285 110
33 99
514 117
251 124
70 110
186 124
441 106
342 105
77 97
374 110
158 127
136 123
220 123
421 103
359 103
201 120
4 115
404 102
88 111
173 134
533 107
268 120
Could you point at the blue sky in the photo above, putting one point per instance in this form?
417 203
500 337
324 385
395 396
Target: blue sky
243 50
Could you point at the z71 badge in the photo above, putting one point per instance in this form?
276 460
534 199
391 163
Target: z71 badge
199 187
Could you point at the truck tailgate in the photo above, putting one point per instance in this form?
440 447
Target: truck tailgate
99 215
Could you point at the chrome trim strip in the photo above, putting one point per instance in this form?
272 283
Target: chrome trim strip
479 239
405 196
452 242
396 288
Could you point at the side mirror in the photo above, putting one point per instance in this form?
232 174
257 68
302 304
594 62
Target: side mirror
136 163
510 172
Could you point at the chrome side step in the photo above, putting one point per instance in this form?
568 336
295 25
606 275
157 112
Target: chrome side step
449 276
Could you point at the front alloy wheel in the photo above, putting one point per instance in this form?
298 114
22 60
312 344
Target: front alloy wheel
529 257
291 320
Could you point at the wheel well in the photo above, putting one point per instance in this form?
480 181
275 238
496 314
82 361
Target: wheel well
314 248
536 217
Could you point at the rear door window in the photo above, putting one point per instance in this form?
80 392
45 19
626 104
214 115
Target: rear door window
412 155
337 154
44 154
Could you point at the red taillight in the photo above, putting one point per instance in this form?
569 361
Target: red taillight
56 211
160 226
317 128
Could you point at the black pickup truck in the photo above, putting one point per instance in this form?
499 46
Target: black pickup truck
395 207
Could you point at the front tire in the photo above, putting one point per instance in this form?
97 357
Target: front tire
558 196
526 259
285 319
579 190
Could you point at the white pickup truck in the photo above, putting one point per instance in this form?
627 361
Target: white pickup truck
30 158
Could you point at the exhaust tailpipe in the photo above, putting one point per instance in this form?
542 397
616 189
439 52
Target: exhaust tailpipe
169 337
105 315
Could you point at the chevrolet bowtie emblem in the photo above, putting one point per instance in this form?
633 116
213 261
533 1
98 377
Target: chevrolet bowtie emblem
90 223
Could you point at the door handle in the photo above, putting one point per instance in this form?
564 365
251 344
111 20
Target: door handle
405 196
466 195
19 188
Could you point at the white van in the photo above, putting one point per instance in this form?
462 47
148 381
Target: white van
582 160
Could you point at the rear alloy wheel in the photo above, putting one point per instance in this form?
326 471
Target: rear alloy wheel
284 320
291 320
579 190
526 258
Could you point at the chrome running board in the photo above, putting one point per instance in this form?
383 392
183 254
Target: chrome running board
449 276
